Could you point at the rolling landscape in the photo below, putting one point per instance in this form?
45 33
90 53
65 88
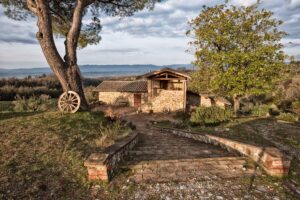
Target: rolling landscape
214 115
92 71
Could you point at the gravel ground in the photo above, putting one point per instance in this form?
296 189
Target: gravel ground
233 189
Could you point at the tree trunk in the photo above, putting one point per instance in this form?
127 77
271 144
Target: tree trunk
74 81
236 104
66 71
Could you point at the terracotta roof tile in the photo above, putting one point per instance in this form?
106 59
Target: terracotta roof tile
122 86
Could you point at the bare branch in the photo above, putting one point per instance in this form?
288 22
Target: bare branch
32 6
74 32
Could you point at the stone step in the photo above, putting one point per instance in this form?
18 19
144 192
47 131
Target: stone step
187 169
168 151
138 147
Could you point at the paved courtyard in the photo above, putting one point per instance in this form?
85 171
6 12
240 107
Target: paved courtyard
161 157
164 166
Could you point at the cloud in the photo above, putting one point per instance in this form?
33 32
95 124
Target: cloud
155 37
243 2
116 50
13 32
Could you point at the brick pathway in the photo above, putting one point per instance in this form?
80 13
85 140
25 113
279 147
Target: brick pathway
161 157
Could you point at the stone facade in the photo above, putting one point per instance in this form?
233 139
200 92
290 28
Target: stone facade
160 91
117 98
165 100
274 162
103 165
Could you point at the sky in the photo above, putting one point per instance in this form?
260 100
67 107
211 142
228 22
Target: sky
149 37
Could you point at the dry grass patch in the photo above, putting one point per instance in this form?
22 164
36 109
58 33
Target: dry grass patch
42 154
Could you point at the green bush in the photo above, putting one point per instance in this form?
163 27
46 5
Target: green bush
288 117
296 105
211 115
181 115
260 110
32 104
110 132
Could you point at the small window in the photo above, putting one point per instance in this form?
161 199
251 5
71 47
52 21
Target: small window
164 85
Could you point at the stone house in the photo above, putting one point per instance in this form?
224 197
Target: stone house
205 100
159 91
210 100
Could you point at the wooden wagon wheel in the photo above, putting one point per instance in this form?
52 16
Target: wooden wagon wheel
69 102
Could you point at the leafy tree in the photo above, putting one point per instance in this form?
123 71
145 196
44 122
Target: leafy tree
64 19
237 51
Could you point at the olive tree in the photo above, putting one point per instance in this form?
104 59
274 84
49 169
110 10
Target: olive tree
237 51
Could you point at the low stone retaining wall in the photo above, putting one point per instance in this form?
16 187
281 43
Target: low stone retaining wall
103 165
272 160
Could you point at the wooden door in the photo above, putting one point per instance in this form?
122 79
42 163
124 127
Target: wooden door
137 100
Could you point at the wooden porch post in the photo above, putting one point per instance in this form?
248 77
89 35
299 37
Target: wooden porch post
184 95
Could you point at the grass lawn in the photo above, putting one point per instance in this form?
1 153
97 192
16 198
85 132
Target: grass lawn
42 154
6 106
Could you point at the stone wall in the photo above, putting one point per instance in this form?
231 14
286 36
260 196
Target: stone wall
114 98
272 160
104 165
205 101
165 100
220 104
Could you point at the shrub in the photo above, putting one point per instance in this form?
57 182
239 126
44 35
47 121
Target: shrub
111 132
182 115
288 117
260 110
211 115
90 95
32 104
296 105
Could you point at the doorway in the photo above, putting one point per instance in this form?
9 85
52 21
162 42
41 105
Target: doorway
137 100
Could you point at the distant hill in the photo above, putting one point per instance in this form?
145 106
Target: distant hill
92 70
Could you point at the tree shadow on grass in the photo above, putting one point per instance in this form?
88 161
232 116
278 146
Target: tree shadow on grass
265 132
9 115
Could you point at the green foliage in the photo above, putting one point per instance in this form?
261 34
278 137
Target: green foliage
182 115
36 86
260 110
27 87
211 115
6 106
288 117
32 104
296 105
237 50
110 132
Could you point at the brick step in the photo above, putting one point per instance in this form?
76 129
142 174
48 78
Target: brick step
179 147
187 169
167 151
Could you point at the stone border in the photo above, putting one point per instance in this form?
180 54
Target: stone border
103 165
272 160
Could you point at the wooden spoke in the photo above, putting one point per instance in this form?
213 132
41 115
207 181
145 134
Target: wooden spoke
69 102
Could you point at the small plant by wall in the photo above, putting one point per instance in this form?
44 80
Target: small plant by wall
211 115
288 117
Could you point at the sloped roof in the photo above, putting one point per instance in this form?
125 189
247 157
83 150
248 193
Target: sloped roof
173 71
122 86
